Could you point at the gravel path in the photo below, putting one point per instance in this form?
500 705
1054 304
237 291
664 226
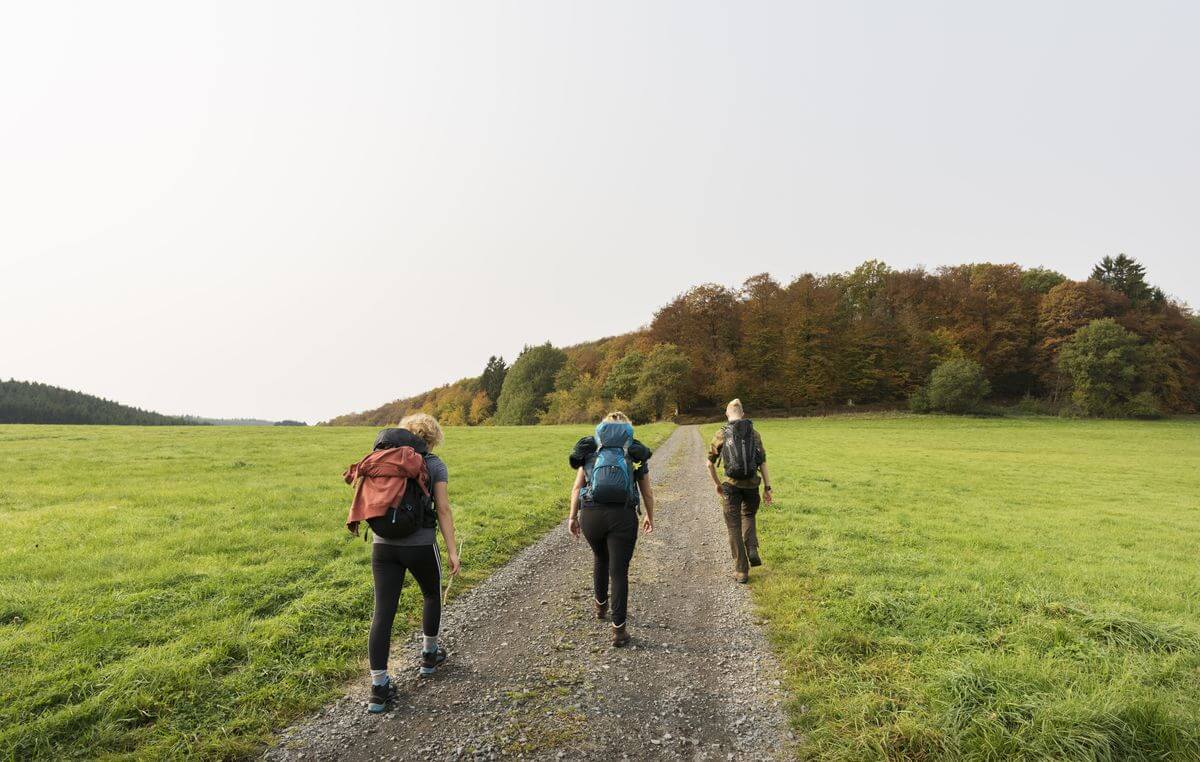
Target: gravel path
532 675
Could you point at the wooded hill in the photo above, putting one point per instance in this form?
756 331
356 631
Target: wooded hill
31 402
1110 345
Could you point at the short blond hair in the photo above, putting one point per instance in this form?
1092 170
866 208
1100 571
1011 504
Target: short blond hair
617 416
425 426
734 408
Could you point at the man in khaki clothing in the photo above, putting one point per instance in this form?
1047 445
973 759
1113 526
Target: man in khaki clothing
739 448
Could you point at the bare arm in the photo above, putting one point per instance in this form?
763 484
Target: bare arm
648 501
441 498
573 516
766 478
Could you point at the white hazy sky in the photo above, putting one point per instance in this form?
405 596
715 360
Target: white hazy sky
302 209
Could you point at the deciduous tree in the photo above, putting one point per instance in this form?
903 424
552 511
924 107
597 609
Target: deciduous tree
662 378
527 383
704 324
623 378
1104 364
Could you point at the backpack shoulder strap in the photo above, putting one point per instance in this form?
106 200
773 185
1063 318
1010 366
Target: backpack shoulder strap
425 480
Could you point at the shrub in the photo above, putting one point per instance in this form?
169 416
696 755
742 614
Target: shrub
1144 405
918 401
956 386
1030 405
1104 364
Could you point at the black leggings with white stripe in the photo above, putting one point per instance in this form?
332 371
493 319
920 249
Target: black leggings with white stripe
388 565
612 532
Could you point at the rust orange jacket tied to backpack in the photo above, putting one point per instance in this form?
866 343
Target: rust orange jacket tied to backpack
380 480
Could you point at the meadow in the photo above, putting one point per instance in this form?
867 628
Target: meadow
971 588
169 592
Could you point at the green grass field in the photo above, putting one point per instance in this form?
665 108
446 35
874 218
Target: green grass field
957 588
185 591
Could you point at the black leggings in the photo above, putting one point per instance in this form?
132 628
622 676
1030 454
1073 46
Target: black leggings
388 564
612 533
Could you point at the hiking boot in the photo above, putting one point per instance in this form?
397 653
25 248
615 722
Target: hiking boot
741 578
620 636
381 695
755 559
601 610
431 660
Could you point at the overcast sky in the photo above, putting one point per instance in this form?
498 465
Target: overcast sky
299 210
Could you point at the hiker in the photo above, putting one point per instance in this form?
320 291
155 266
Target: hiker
739 449
401 491
611 469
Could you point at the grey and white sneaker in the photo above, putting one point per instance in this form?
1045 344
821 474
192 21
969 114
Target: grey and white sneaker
431 660
381 696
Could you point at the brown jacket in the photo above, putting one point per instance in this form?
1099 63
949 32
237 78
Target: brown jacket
380 480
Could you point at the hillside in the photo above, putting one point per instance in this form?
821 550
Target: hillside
31 402
1109 345
472 401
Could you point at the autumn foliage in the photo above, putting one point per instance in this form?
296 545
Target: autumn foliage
870 336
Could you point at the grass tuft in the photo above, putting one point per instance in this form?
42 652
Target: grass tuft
1128 632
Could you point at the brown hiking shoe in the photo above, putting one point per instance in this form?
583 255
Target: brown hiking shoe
601 609
620 636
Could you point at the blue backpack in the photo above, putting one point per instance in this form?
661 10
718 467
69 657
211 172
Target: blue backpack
610 481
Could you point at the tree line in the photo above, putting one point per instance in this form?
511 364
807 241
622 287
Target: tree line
1110 345
31 402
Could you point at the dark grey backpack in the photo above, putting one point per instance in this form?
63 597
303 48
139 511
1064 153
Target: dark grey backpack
739 452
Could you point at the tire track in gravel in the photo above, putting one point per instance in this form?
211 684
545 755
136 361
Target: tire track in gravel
532 675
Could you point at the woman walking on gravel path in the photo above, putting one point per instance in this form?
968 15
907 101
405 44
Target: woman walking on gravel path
402 457
612 468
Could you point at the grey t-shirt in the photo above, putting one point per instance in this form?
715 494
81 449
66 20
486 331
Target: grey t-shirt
425 535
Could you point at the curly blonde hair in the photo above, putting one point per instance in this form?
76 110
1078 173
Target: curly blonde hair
425 426
617 416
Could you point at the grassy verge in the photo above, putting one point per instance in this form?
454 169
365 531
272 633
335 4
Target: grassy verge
950 588
184 591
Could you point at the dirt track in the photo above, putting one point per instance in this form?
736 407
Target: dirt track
532 675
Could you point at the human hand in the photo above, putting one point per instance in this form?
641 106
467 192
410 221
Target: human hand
455 565
573 525
647 524
720 492
767 498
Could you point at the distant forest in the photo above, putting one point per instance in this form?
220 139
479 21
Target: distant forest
30 402
242 421
1110 345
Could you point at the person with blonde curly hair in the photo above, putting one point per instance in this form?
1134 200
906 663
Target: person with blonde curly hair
417 553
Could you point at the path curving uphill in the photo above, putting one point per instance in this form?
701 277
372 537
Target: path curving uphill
531 673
